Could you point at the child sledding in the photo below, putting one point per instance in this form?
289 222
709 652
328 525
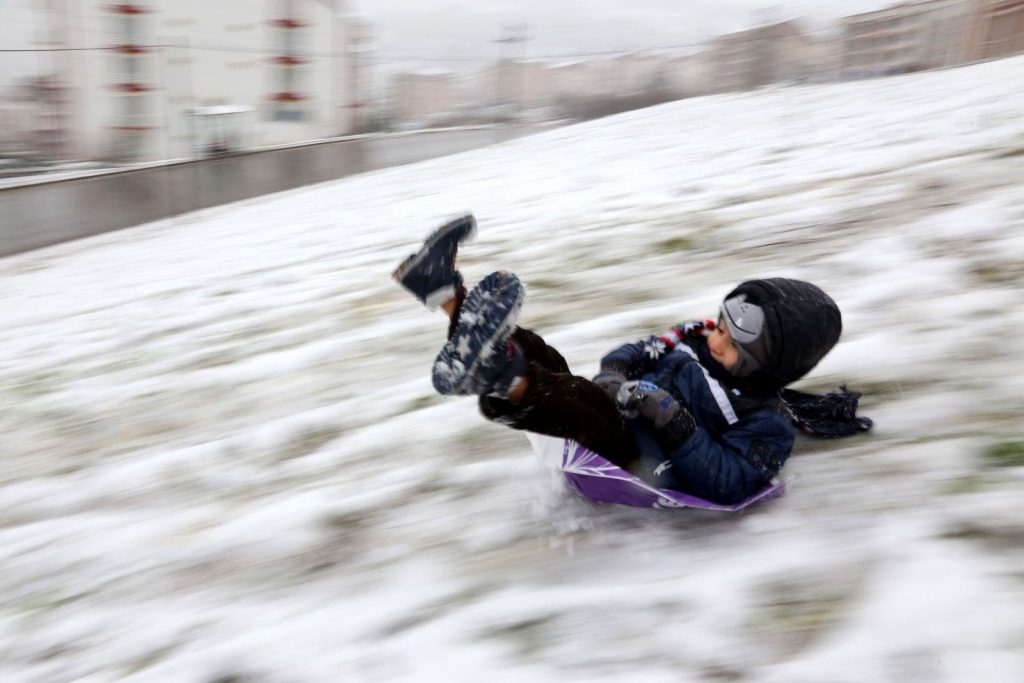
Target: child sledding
700 409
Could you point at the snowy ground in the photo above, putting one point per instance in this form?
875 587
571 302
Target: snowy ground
223 461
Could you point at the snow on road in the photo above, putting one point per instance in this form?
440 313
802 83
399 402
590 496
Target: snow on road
223 460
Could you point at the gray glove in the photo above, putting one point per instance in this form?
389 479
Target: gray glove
640 398
674 423
610 379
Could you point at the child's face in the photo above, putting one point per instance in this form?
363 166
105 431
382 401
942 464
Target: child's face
722 347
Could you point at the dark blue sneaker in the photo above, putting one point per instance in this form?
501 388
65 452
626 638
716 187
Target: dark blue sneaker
430 273
480 358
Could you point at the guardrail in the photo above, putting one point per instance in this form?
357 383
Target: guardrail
39 211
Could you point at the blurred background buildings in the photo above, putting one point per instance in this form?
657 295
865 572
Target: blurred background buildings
167 79
160 79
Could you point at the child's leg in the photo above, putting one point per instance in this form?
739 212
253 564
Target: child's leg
480 356
543 397
430 274
563 405
537 350
532 344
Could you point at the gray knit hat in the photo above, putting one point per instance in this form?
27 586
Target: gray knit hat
745 322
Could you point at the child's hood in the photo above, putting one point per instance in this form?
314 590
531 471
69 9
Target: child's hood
803 323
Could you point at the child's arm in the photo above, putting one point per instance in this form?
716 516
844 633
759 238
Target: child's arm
633 361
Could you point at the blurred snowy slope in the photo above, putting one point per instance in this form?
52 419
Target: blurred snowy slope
222 454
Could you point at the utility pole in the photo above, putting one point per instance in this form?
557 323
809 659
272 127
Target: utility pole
511 34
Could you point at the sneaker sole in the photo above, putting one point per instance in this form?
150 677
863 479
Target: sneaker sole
451 226
449 380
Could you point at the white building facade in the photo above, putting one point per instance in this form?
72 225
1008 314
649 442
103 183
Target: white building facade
143 79
576 79
690 75
772 53
996 29
518 83
421 97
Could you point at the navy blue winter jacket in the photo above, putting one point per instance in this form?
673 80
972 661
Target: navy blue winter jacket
740 442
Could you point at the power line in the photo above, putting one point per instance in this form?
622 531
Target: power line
60 49
601 53
210 48
396 57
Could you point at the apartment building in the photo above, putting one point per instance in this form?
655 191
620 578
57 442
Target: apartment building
767 54
635 73
996 29
576 79
420 96
518 83
825 59
22 112
689 75
154 79
907 37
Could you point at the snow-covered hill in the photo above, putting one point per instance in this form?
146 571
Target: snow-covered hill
223 460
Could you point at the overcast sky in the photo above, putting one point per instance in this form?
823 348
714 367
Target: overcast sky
461 34
461 29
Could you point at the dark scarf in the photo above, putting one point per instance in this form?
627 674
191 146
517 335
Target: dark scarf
829 416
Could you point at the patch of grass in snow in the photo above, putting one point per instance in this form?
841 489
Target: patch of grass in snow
546 283
117 364
213 359
235 678
425 613
796 611
349 522
308 441
997 535
48 600
722 672
674 244
1005 454
151 658
971 483
421 402
994 272
1010 152
739 199
528 636
33 386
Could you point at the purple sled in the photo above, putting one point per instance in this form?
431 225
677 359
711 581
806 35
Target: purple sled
597 479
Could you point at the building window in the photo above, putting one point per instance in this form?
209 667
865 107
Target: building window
132 118
288 102
284 112
288 106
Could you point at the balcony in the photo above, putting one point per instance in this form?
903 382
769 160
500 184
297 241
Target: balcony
288 23
132 88
288 60
130 49
287 97
129 8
